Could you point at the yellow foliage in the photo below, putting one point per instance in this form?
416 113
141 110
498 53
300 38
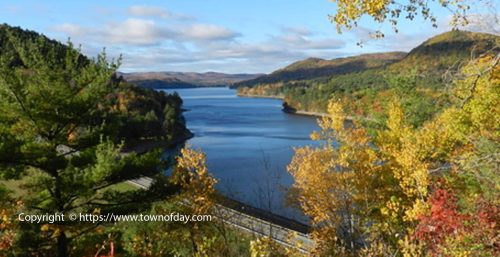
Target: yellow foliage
267 247
349 12
198 186
380 185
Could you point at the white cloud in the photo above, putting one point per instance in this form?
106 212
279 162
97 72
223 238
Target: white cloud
234 55
136 32
151 42
143 10
486 23
304 39
70 29
401 41
302 31
207 32
155 12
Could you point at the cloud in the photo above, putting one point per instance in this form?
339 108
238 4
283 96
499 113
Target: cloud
155 12
70 29
302 31
401 41
235 55
143 10
129 32
150 41
485 23
303 38
135 32
208 32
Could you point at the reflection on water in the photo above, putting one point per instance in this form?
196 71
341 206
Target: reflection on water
248 143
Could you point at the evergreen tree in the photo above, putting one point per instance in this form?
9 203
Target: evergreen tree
57 126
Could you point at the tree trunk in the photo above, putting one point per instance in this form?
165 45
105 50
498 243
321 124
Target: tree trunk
62 240
193 241
62 245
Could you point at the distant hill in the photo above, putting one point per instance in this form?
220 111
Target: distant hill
315 67
367 83
184 79
444 51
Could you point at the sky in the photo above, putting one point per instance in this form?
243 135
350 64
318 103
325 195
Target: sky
231 36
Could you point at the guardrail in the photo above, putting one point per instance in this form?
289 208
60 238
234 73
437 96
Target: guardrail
282 230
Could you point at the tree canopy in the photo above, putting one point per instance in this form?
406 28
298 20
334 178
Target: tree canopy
61 128
408 191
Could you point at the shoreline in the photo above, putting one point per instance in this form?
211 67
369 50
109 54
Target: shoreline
306 113
260 96
285 110
148 145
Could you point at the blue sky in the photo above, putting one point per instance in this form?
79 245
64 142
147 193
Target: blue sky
233 36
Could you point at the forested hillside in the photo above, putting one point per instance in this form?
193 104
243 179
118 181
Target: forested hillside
402 190
421 178
166 79
403 162
139 114
65 123
418 78
314 68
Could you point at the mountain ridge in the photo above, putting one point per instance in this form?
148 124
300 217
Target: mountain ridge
442 51
171 79
417 77
316 67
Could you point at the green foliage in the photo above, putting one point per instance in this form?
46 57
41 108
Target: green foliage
417 80
430 190
314 68
447 50
141 114
62 123
178 239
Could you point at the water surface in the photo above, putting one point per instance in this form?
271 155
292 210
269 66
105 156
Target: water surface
248 143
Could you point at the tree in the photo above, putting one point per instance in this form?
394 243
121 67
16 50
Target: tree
350 12
8 227
57 128
378 195
197 197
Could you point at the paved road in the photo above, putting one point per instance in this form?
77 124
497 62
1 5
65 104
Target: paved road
246 218
251 224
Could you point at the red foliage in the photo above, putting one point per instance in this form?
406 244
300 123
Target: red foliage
485 226
488 214
443 219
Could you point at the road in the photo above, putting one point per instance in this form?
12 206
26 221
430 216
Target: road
254 221
247 218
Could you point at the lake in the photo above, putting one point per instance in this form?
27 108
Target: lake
248 143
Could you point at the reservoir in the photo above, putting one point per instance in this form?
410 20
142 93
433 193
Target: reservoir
248 143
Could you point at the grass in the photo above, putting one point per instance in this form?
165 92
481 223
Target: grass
16 187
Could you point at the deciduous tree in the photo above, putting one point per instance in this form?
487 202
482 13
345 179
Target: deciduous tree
380 195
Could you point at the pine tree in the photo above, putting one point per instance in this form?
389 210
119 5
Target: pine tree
58 127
